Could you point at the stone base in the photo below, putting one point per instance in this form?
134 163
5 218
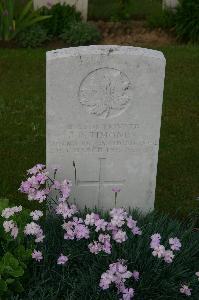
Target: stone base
170 4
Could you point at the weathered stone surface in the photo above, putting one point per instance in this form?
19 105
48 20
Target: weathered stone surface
104 108
170 4
81 5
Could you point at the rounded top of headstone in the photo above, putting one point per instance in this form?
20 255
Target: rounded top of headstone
104 50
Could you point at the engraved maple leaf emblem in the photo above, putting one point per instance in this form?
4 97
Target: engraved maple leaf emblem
105 92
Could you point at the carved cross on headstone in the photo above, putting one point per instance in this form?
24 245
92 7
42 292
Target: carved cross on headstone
100 182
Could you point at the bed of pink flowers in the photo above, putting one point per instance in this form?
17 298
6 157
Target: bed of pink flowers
117 228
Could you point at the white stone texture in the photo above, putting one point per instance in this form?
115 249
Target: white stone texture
104 108
81 5
170 4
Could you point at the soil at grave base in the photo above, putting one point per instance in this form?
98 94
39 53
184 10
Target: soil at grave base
8 44
134 33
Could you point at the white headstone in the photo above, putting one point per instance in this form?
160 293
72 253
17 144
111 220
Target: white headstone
104 108
81 5
170 4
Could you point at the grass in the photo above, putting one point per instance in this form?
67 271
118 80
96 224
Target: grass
22 122
22 114
111 9
79 279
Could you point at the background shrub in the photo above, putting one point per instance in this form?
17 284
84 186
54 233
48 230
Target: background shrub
187 20
15 19
32 37
80 33
61 17
166 20
123 9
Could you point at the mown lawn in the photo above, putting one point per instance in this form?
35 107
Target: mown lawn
22 123
111 9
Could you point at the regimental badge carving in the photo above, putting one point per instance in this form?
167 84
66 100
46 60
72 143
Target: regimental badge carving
105 92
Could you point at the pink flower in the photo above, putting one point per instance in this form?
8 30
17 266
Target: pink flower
37 255
136 275
175 244
8 225
40 196
104 239
118 212
62 259
91 219
131 223
120 271
10 211
100 225
65 210
65 189
155 240
106 247
128 294
106 279
25 186
119 285
32 228
185 290
112 228
36 214
120 236
159 251
34 170
41 178
33 185
95 247
76 229
116 189
56 185
103 244
81 231
69 235
49 4
197 274
35 230
14 232
168 256
117 274
39 237
136 231
118 215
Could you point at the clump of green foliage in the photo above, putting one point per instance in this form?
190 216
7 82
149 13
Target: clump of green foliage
33 37
80 33
15 256
122 13
187 20
61 17
184 20
14 20
166 20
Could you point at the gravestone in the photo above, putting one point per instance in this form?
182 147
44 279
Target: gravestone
104 108
81 5
170 4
